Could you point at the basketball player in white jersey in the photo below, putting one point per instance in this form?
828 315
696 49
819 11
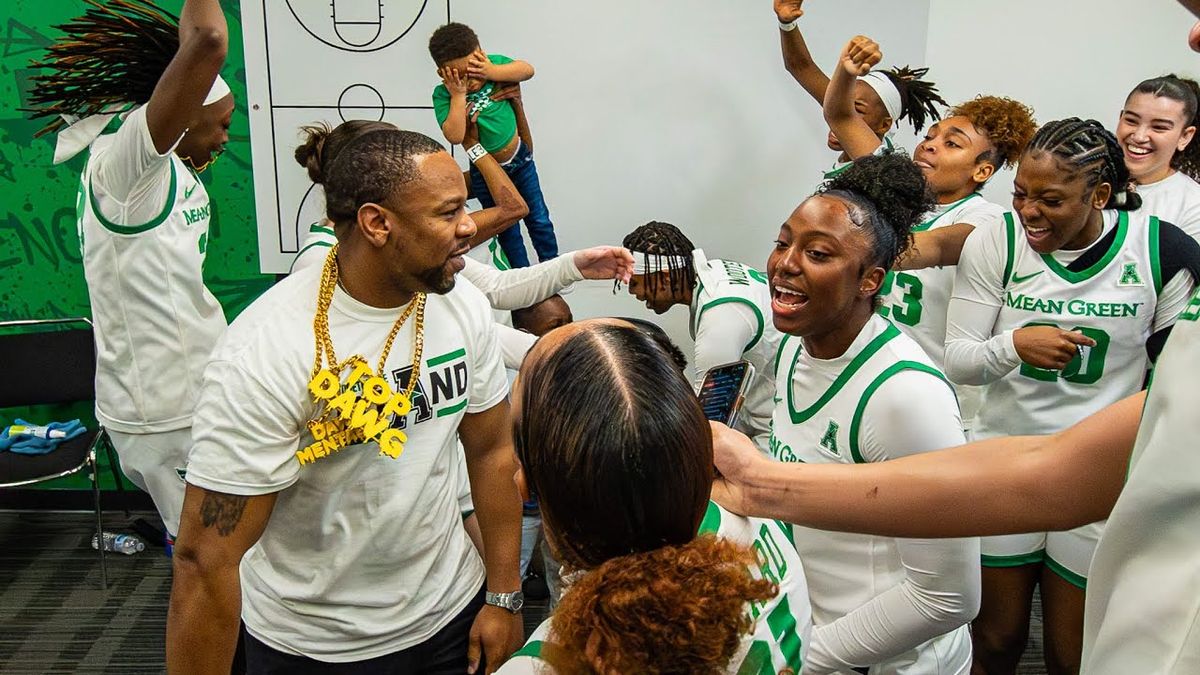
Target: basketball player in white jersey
1143 599
1156 131
612 441
729 311
852 388
1059 313
143 97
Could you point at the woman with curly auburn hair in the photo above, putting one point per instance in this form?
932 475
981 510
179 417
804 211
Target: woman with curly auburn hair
852 388
614 445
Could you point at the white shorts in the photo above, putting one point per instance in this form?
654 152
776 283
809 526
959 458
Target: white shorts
1068 554
156 463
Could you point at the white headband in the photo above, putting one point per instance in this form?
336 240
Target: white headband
665 262
888 93
218 91
80 133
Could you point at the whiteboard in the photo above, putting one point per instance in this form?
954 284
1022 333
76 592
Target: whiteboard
332 61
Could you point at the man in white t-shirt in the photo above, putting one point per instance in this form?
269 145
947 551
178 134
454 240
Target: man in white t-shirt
338 485
143 222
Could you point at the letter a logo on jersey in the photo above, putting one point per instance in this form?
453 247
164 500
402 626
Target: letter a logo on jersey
829 440
1129 276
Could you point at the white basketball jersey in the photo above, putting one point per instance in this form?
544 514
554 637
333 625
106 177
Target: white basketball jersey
1175 199
724 281
916 300
156 324
1143 599
782 625
1113 302
820 426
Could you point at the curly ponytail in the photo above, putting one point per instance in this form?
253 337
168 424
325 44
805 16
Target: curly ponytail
675 609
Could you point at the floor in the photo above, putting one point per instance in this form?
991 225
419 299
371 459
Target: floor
54 618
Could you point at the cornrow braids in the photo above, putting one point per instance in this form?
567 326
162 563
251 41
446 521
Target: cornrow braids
112 55
1089 149
918 97
658 242
1186 91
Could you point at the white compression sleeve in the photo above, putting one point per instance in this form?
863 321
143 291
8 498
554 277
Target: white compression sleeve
941 586
522 286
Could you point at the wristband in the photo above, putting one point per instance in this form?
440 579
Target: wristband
791 25
476 152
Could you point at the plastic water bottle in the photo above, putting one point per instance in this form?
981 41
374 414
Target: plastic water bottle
120 543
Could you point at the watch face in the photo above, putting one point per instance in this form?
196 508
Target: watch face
518 602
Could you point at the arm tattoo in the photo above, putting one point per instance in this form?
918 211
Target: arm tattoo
222 510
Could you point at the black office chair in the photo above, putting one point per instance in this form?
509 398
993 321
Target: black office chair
44 364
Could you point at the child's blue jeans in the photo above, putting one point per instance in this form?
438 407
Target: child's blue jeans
523 173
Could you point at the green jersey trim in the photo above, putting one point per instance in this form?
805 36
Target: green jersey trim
1099 265
898 367
1013 560
757 315
1077 580
712 520
801 416
499 257
532 649
929 223
450 356
1155 263
315 244
887 146
135 229
779 353
319 228
1010 231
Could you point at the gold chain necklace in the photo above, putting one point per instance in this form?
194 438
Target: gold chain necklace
348 417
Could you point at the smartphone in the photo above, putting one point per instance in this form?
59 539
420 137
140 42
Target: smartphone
724 390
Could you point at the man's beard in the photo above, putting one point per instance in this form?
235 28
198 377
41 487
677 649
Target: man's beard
436 280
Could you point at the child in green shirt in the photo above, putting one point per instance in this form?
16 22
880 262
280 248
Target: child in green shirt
473 86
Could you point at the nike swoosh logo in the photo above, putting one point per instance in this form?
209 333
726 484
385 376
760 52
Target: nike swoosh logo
188 192
778 400
1017 279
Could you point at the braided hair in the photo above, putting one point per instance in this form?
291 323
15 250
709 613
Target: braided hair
112 55
657 241
1186 91
1093 151
918 97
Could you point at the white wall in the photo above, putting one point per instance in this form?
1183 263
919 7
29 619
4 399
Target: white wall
1064 58
676 110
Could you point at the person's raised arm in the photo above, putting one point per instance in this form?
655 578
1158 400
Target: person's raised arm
997 486
479 65
509 206
487 440
940 247
180 92
521 287
215 531
796 58
856 137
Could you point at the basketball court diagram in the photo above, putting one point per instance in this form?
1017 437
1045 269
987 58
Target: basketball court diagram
311 61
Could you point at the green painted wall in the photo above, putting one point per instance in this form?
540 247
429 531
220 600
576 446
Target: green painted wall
40 271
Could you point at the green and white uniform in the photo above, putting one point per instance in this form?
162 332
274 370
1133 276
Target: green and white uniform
781 625
1175 199
1119 300
143 228
898 606
730 321
916 300
1143 599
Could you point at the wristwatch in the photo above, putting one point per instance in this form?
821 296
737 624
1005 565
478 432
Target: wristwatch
475 152
513 602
